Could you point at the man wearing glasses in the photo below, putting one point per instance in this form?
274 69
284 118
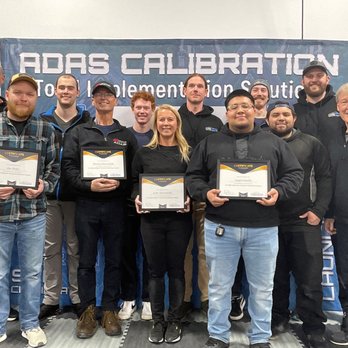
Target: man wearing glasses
248 226
99 209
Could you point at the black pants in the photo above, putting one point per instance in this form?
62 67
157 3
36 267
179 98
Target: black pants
300 252
95 220
131 240
340 243
166 236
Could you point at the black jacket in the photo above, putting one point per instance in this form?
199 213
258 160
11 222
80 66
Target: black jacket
88 135
321 119
338 152
63 190
286 176
196 127
316 190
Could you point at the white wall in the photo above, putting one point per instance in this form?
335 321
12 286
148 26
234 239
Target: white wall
131 19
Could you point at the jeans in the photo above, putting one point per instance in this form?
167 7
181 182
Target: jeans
30 244
259 247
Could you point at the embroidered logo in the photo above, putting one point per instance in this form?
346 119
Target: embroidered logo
119 142
211 129
333 114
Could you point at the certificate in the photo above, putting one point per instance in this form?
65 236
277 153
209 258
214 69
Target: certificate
243 179
102 163
162 191
19 168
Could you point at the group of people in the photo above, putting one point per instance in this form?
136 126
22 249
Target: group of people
267 238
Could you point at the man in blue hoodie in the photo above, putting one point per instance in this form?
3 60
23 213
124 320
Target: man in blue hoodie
61 203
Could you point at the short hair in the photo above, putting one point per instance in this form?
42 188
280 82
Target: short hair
342 89
67 75
198 75
143 95
239 93
182 143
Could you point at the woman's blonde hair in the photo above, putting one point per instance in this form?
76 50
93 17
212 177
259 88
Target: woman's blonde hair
182 143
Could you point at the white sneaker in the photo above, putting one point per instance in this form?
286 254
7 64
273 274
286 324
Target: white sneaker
3 337
36 337
146 313
127 309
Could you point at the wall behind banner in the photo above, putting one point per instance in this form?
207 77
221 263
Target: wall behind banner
158 19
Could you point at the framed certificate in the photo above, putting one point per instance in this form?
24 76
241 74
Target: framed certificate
102 163
243 179
19 168
162 191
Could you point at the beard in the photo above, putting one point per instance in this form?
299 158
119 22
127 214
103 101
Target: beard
317 93
20 111
283 133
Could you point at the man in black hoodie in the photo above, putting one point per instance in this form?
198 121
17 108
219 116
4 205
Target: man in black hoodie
300 249
248 226
198 122
316 106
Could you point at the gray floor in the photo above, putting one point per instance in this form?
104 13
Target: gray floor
60 331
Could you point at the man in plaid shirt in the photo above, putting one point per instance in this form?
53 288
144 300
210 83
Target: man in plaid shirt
22 210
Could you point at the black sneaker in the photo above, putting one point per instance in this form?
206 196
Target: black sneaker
339 338
48 311
157 332
13 315
205 307
238 304
260 345
215 343
173 332
317 341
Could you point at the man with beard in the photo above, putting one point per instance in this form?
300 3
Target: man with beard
261 91
300 250
22 210
198 122
61 203
316 106
235 226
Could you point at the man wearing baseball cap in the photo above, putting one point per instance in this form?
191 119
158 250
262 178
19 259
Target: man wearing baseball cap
99 208
300 249
23 209
316 108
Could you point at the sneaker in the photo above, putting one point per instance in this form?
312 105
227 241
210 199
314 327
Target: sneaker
111 323
339 338
48 311
238 304
146 313
317 341
3 337
215 343
87 324
127 309
13 315
184 309
36 337
205 307
157 332
260 345
173 332
280 328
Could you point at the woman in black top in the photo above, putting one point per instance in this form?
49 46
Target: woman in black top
165 233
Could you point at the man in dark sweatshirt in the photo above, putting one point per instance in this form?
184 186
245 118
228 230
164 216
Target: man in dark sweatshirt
234 225
198 122
300 249
316 105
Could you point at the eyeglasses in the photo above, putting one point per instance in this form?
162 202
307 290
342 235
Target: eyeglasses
244 106
103 95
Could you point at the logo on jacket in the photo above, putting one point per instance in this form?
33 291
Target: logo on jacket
333 114
119 142
211 129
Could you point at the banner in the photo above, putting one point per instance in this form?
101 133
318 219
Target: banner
161 67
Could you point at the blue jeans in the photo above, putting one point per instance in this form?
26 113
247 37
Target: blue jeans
259 247
30 244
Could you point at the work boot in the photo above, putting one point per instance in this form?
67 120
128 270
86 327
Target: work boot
87 324
111 323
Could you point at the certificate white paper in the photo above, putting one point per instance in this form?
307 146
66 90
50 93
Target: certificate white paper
162 192
243 179
19 168
102 163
